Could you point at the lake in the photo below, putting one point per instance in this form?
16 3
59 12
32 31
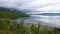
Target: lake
45 18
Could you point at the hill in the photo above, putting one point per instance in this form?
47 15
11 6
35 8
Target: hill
11 13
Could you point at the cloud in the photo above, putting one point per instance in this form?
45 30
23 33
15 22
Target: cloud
29 4
7 3
39 4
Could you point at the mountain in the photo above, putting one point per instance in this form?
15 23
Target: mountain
51 14
11 13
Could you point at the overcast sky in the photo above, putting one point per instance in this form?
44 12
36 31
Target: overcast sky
35 6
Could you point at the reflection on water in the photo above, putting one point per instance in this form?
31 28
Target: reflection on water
47 19
55 20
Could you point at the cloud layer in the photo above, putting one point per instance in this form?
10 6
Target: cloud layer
35 5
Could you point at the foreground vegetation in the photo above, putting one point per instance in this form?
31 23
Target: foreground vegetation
8 27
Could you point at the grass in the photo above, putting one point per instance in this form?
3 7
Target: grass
20 28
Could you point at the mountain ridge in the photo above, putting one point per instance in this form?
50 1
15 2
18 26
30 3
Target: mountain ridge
11 13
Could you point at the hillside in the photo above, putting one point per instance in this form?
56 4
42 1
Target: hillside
12 14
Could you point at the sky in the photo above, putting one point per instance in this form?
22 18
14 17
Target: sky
35 7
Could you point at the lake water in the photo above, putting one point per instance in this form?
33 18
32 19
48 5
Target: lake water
50 19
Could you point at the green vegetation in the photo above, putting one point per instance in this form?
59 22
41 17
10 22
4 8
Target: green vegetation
8 26
11 14
19 28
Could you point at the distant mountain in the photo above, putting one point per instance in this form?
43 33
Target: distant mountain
50 14
11 13
47 14
10 10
